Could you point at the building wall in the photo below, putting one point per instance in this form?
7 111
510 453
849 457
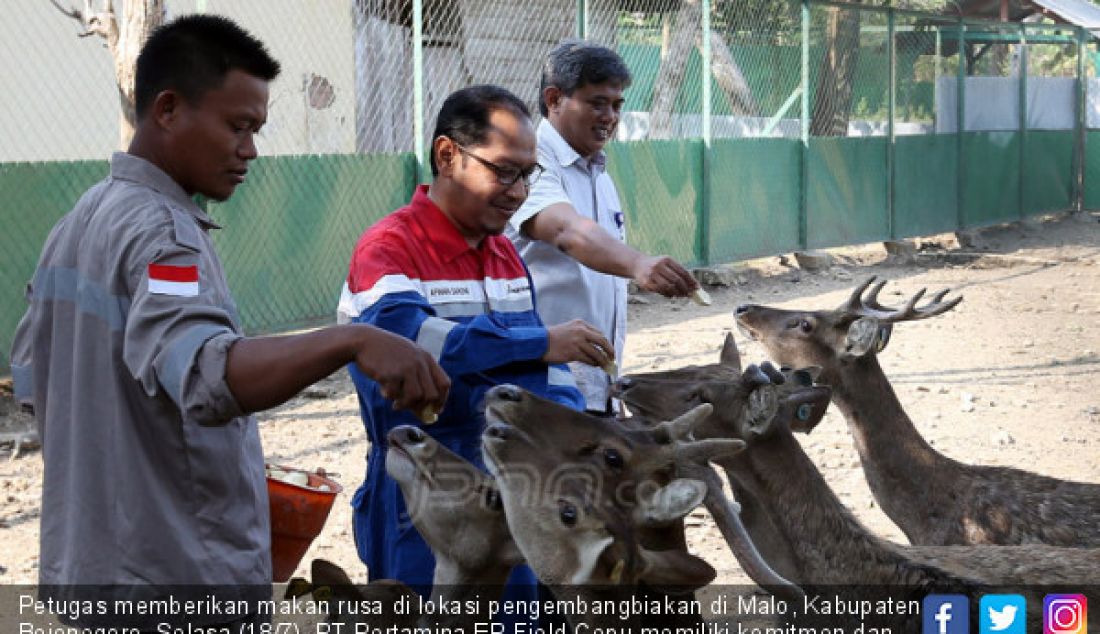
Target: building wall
59 100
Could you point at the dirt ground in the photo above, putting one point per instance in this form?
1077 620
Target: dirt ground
1006 378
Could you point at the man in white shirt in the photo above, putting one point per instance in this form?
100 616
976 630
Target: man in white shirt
570 231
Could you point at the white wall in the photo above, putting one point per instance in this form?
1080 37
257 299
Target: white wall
58 99
993 103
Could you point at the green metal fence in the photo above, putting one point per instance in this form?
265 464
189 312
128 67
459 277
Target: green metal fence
752 127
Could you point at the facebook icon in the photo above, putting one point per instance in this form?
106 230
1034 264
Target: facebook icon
945 614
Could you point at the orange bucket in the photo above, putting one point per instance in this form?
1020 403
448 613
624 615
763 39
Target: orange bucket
298 514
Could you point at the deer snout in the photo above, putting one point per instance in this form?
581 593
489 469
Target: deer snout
505 393
743 308
623 384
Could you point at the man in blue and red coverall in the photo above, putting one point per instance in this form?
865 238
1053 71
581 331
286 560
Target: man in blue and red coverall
439 272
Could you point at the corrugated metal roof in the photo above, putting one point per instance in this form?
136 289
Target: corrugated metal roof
1079 12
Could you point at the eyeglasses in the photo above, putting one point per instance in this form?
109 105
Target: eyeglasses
507 176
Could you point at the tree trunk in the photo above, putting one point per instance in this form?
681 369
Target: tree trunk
676 46
670 76
728 76
833 97
139 19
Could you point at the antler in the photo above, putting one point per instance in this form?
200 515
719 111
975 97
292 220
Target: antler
691 457
869 306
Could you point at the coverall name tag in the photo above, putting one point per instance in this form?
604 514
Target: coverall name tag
181 281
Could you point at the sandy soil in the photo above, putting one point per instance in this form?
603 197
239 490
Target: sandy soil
1023 347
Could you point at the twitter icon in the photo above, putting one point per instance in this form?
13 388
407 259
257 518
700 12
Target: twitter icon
1002 614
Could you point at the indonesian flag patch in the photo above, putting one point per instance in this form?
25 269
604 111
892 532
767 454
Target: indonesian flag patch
181 281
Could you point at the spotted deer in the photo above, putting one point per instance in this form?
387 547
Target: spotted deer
934 499
825 542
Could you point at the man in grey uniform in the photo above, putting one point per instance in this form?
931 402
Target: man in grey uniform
132 356
570 231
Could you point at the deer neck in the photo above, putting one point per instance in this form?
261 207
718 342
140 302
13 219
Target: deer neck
896 459
453 583
827 543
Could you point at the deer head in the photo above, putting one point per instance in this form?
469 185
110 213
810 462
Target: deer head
331 587
580 494
456 508
861 326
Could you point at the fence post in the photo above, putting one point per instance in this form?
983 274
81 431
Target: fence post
1080 122
804 194
936 78
582 19
891 107
960 114
418 89
703 235
1023 117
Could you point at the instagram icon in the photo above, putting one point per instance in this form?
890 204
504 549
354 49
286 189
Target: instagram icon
1065 614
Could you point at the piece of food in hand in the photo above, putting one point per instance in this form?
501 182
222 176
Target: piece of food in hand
429 415
611 369
701 297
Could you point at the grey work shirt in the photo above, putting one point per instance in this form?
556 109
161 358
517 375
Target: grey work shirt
565 289
152 473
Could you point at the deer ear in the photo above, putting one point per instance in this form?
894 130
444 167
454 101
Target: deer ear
763 407
670 502
730 357
675 569
331 582
862 337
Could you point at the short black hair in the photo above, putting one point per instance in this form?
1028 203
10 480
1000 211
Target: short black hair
193 54
464 117
574 63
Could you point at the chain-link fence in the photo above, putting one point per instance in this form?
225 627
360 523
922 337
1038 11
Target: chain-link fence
750 127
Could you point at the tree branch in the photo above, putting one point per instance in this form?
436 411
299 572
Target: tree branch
72 13
95 23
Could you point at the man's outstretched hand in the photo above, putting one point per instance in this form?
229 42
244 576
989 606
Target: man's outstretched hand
664 275
406 373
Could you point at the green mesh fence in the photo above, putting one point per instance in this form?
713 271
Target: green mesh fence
1091 138
286 243
992 138
660 187
36 195
907 124
925 192
1049 140
753 200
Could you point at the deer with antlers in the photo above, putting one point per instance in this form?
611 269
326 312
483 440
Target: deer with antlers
459 511
825 542
668 459
933 499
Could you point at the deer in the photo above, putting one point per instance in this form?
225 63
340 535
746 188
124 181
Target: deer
933 499
549 435
827 544
458 510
